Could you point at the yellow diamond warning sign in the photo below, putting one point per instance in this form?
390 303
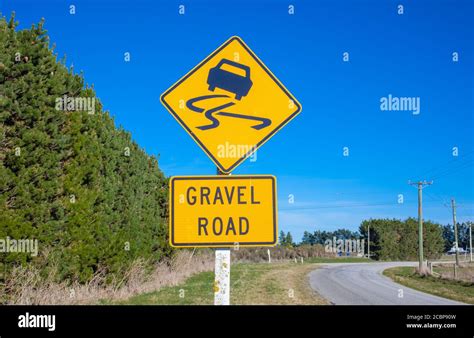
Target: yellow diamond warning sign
230 104
223 211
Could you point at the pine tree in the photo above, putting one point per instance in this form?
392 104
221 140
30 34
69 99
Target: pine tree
289 239
70 179
282 239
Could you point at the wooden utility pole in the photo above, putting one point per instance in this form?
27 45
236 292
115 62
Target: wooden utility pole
368 241
453 206
420 185
470 240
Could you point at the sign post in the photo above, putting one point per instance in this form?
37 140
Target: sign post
222 272
222 277
230 104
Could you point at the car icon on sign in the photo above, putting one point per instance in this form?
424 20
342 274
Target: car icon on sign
229 81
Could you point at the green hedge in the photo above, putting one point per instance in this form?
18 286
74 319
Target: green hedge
392 239
65 177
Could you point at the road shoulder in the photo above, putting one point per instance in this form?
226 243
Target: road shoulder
251 284
460 291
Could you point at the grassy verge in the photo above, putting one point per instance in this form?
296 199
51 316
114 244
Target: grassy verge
251 283
464 273
457 290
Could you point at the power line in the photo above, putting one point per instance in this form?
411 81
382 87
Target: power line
339 206
438 199
447 170
446 164
445 202
453 170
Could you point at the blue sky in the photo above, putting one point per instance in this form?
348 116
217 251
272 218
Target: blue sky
407 55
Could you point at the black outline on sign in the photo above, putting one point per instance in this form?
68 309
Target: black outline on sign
266 138
223 244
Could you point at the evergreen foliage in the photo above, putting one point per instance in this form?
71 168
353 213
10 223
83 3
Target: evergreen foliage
71 179
320 237
463 236
286 240
393 239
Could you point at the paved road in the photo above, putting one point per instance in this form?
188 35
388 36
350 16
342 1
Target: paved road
364 284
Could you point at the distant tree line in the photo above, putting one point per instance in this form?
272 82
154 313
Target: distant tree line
393 239
463 236
320 237
286 239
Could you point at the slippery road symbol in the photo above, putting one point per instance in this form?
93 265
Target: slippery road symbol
263 122
230 98
231 82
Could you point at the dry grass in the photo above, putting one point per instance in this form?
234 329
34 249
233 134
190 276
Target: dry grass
274 284
279 253
465 272
453 289
25 286
251 284
264 284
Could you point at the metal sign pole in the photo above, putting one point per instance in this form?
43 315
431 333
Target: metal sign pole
222 273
